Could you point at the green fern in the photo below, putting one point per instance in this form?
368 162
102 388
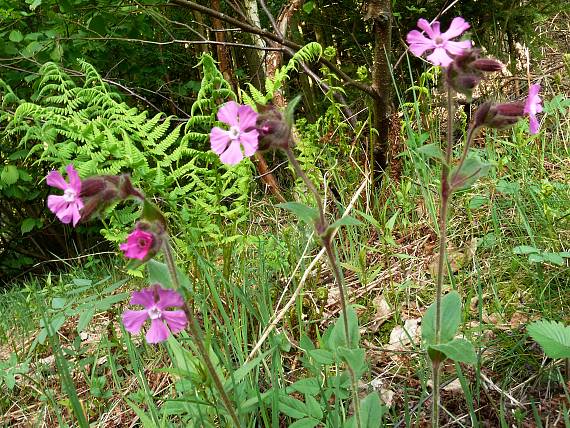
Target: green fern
85 122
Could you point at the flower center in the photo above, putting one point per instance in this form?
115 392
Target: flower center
439 41
142 243
154 313
234 132
69 195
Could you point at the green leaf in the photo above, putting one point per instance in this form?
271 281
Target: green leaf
371 412
58 302
308 7
292 407
345 221
158 273
477 202
34 4
554 258
552 336
338 335
15 36
313 407
472 169
310 386
29 223
525 249
459 349
431 151
321 356
305 213
450 319
31 49
355 358
9 175
305 423
85 318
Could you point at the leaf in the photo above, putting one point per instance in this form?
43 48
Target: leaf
459 349
306 386
85 318
552 336
355 359
305 213
345 221
58 302
338 335
308 7
9 175
305 423
525 249
554 258
28 224
292 407
470 171
15 36
431 151
450 319
313 407
371 412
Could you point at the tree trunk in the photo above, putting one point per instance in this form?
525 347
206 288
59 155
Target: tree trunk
380 11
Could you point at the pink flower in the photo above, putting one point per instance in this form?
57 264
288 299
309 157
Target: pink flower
138 244
155 300
532 106
67 206
440 43
242 133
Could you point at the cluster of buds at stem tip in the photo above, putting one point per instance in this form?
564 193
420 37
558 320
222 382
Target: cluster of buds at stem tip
467 70
498 116
99 192
273 127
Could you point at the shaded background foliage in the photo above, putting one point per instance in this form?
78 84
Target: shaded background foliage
149 51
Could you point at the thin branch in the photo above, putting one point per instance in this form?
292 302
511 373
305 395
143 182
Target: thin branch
270 36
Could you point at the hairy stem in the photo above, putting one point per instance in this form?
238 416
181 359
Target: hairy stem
445 196
327 243
196 333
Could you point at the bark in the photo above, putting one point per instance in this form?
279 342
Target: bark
380 11
223 53
255 57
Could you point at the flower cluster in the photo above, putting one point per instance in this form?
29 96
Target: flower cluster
81 200
464 69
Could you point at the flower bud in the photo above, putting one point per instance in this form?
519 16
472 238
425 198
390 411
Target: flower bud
488 64
273 128
467 70
498 116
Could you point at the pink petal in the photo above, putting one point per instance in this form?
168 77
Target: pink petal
247 117
233 154
249 141
534 90
457 48
55 179
458 26
425 25
157 332
534 125
66 215
228 113
75 214
219 140
134 320
74 180
440 57
419 43
145 297
56 203
176 320
168 298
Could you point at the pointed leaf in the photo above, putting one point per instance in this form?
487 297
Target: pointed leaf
459 349
552 336
305 213
450 319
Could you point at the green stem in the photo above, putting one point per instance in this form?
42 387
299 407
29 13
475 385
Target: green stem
445 196
471 134
196 333
327 243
